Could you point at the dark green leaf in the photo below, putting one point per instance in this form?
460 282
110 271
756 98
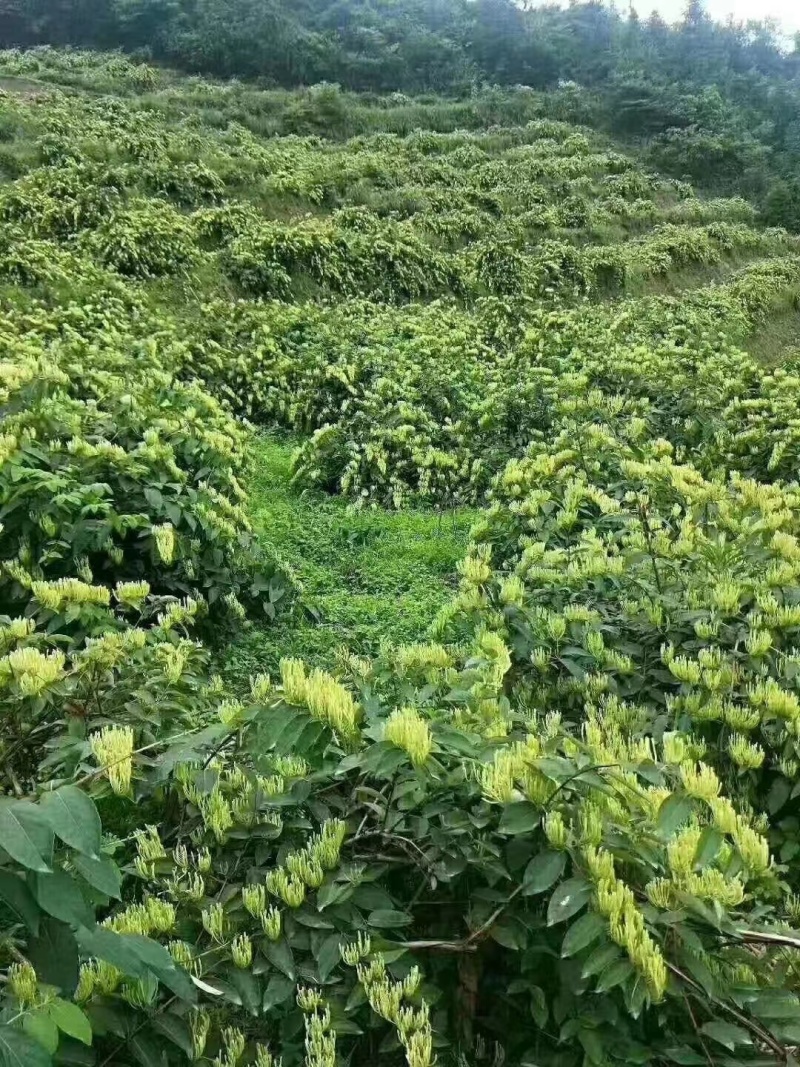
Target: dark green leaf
600 959
175 1029
779 793
113 948
615 975
41 1028
73 817
280 956
776 1004
539 1009
708 847
726 1034
328 956
674 812
567 900
69 1018
685 1057
19 1050
592 1045
159 962
543 871
248 987
520 818
74 1053
58 894
510 933
54 954
279 990
146 1050
101 873
582 933
388 919
25 835
18 898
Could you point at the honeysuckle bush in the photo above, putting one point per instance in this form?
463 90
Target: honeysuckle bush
388 420
114 474
407 862
613 570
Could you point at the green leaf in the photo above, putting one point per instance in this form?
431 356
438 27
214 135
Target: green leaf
592 1045
248 987
113 948
539 1009
599 960
175 1029
674 812
280 956
58 895
779 793
19 1050
24 835
18 899
387 918
708 847
726 1034
279 990
520 818
328 956
614 975
510 933
147 1051
685 1057
582 933
776 1005
567 900
100 872
69 1018
543 871
73 817
159 962
38 1025
54 954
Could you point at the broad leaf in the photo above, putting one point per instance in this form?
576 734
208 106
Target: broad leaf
19 1050
543 871
279 990
73 817
387 918
58 894
615 975
38 1025
582 933
280 956
673 813
113 948
18 898
567 900
69 1018
25 835
726 1034
54 954
328 956
520 818
101 873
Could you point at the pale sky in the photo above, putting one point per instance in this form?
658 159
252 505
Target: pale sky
786 11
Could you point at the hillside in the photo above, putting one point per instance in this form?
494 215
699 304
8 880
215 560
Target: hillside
399 597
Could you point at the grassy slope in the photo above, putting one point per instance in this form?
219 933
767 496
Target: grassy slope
367 576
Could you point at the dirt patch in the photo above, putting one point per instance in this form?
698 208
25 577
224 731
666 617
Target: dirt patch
24 87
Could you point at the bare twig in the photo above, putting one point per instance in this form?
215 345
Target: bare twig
749 1024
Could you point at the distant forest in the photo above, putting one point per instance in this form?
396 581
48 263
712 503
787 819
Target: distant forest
717 104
